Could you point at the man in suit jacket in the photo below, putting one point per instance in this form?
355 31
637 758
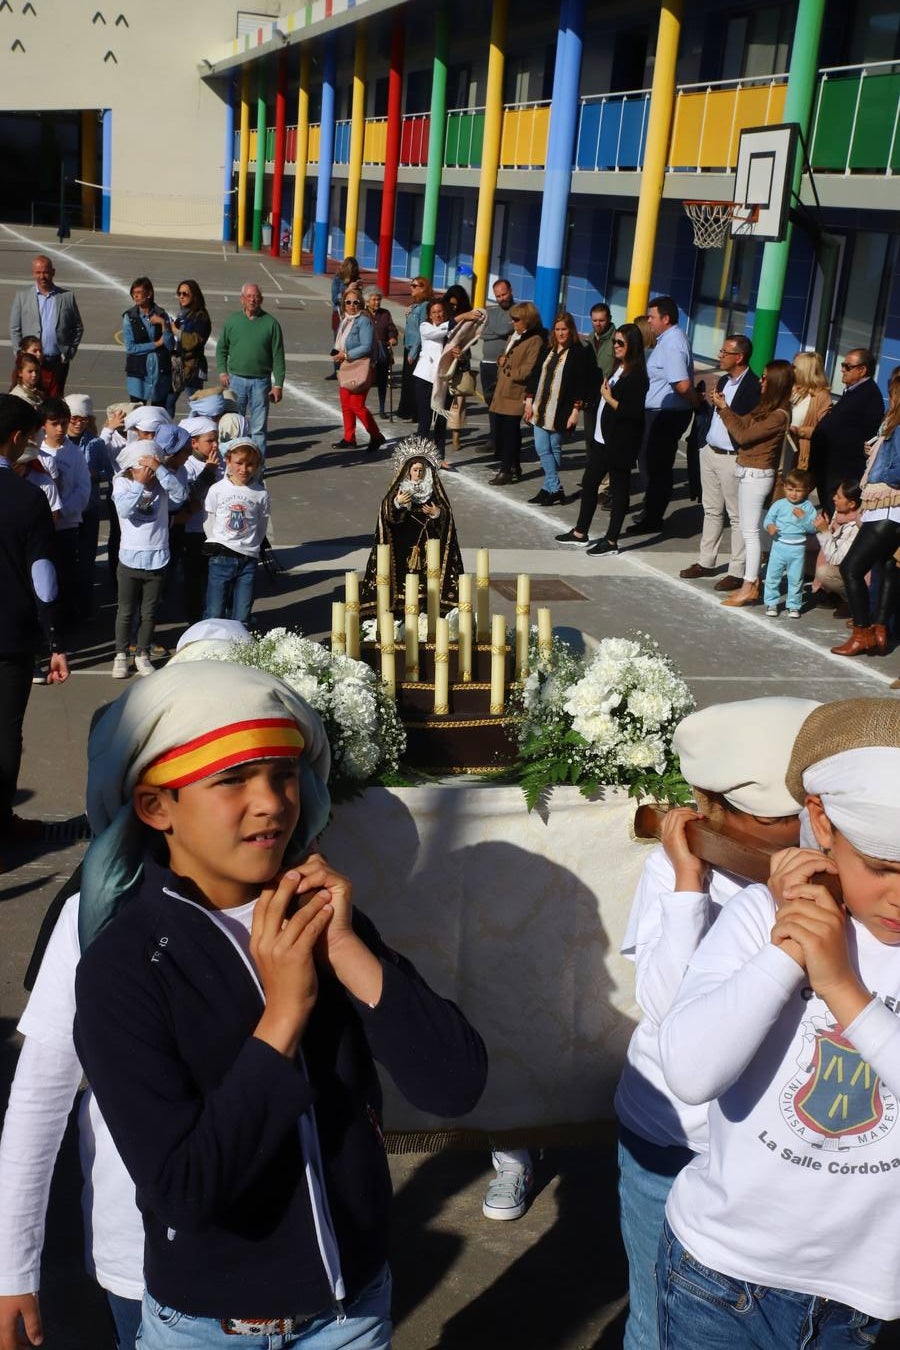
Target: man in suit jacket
46 311
717 463
837 448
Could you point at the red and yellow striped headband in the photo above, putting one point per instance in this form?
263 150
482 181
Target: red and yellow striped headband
237 743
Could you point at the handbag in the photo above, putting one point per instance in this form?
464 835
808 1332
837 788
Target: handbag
177 374
356 375
462 385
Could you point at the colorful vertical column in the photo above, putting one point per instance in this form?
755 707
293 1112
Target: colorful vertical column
106 171
560 157
280 144
490 156
244 160
297 221
228 174
659 126
437 134
88 168
326 154
357 141
392 151
797 108
259 179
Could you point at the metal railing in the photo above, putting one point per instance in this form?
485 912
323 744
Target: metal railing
856 119
612 131
709 117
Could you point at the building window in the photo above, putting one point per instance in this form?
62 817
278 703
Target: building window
758 42
620 269
862 299
724 293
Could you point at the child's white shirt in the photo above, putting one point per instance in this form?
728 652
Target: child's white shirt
67 467
143 511
237 517
800 1186
48 486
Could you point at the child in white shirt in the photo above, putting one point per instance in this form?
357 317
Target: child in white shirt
237 518
784 1234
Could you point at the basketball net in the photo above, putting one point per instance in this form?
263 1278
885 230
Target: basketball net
713 221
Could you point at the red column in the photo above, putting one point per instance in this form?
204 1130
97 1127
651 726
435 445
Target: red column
392 154
280 143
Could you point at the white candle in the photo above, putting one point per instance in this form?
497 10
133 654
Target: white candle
411 617
386 637
351 618
442 667
338 628
545 635
382 579
433 583
523 613
482 594
465 627
498 663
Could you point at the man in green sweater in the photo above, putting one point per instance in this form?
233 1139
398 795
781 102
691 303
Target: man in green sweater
250 357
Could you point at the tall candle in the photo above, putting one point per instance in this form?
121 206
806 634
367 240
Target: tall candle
465 627
523 613
433 583
498 663
382 579
441 667
545 635
351 617
386 637
411 617
338 631
482 594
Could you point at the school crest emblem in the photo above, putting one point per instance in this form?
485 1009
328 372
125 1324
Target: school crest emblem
836 1099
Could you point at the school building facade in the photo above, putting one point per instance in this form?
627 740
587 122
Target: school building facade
553 144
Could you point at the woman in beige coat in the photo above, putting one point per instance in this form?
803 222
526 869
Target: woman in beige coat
810 401
524 351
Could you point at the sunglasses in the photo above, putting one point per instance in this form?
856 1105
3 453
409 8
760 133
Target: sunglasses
852 365
352 304
619 342
183 292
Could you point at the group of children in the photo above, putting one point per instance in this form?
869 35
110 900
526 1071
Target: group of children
187 505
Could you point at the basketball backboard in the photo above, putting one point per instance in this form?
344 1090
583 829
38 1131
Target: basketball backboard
764 175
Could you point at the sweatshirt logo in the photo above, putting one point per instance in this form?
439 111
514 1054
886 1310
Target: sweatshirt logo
237 517
836 1100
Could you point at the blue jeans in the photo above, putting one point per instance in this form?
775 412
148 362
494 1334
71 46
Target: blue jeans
548 445
364 1325
229 587
126 1314
785 560
252 394
646 1174
702 1307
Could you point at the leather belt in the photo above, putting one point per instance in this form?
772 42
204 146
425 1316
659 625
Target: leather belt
716 451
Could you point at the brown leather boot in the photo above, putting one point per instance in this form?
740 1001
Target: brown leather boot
881 638
860 640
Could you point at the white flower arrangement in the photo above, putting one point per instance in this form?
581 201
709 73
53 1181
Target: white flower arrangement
369 627
606 720
364 730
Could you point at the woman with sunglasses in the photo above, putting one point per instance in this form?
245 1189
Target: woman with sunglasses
516 365
355 341
192 327
556 394
618 432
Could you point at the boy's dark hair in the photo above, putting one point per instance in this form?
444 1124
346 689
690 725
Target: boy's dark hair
17 415
55 408
799 478
851 490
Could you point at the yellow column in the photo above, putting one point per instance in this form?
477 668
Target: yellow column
244 161
302 156
662 99
88 168
357 139
490 155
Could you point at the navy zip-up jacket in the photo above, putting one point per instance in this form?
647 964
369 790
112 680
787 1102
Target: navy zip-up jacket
205 1115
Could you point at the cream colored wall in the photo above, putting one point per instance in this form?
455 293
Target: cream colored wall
168 125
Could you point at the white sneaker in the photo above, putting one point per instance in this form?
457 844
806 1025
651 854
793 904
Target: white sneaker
771 611
507 1195
121 666
143 665
793 614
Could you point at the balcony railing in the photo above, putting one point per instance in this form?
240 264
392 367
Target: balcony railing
855 121
612 131
708 119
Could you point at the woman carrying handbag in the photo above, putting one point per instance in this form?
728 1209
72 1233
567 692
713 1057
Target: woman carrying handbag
354 348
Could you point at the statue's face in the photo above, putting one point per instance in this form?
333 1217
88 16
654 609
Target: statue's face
417 471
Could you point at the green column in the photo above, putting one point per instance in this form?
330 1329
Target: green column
797 108
259 181
437 132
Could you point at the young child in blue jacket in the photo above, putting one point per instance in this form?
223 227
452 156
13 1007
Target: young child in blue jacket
789 522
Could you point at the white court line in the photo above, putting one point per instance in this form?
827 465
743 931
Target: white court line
269 274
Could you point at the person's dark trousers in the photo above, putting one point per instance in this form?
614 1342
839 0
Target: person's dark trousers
67 574
195 566
16 670
112 542
487 373
598 467
382 372
875 543
429 424
508 440
88 535
55 374
138 589
590 426
406 408
661 449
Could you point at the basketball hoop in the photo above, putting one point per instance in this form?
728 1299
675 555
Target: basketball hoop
714 221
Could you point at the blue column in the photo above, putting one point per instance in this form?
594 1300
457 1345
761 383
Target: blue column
326 155
106 172
228 181
560 154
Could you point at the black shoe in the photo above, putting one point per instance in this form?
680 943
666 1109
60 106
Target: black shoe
541 498
500 479
515 476
643 525
556 498
345 445
570 537
375 443
332 376
602 547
